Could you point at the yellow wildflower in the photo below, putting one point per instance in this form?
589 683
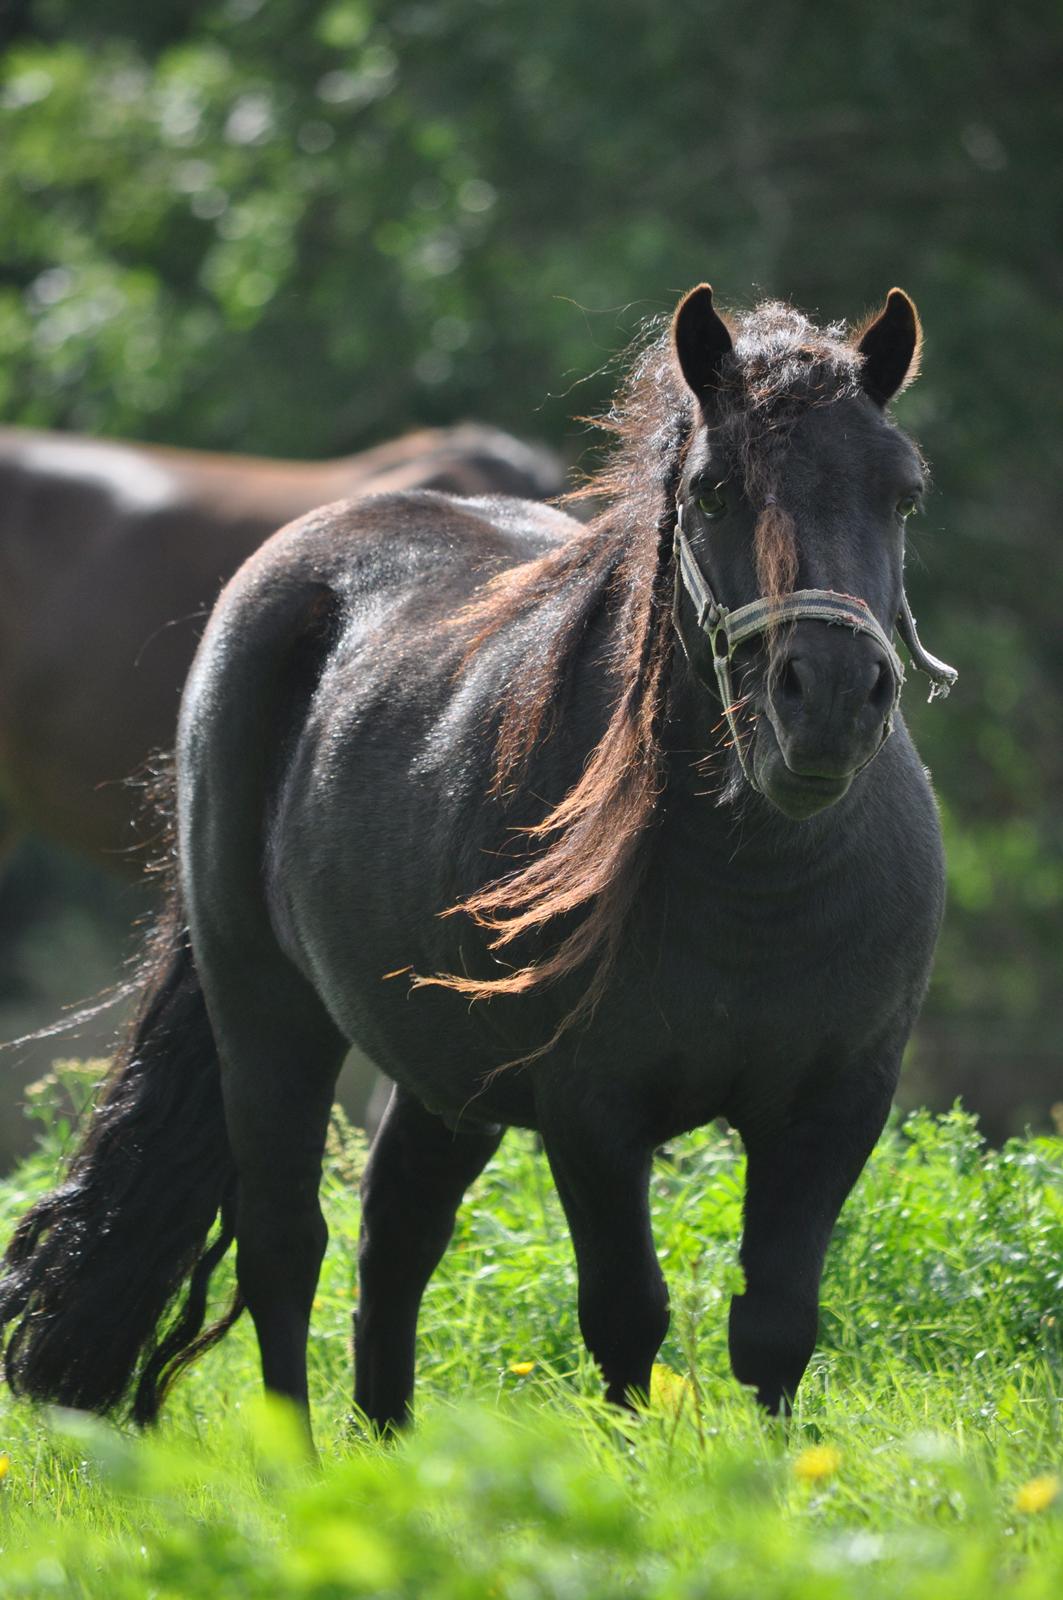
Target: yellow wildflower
668 1390
1039 1493
520 1369
5 1464
817 1462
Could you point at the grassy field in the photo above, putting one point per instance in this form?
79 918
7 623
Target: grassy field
925 1458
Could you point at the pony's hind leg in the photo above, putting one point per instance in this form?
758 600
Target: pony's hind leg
279 1068
417 1173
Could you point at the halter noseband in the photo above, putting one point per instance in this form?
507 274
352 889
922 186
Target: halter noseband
726 630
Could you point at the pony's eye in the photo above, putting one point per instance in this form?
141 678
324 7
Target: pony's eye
712 503
907 507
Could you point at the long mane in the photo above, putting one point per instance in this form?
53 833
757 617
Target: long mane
584 860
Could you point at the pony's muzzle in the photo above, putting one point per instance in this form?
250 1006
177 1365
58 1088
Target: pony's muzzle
831 696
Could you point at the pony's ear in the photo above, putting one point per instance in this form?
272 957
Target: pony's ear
891 345
701 340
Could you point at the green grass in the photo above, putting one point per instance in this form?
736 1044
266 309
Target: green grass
936 1390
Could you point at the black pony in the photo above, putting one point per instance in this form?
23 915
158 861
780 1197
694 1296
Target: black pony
638 788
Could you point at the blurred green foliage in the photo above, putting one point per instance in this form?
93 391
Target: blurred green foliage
299 226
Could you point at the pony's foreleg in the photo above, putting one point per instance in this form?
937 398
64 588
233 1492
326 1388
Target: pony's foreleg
798 1177
416 1176
603 1179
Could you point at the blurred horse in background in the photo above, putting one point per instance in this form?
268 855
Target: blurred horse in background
111 557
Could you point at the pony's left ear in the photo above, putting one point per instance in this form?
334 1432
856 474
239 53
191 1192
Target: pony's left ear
701 339
891 345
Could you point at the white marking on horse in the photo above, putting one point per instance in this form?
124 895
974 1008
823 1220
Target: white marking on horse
133 480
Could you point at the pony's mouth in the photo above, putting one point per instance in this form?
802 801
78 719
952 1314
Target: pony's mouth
798 795
801 795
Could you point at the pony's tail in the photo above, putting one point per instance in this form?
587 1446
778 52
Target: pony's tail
106 1278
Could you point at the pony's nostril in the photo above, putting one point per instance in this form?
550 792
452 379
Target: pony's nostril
881 695
791 683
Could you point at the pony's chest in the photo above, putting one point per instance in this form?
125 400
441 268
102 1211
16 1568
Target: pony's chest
747 981
753 992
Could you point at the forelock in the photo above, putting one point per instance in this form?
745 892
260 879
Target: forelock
781 359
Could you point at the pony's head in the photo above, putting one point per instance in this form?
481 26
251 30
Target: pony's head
792 505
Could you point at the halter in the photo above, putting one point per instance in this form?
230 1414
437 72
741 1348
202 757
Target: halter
726 630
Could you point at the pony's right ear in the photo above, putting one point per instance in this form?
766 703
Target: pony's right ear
701 340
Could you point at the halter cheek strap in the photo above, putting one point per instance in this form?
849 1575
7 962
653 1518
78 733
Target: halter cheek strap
726 630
